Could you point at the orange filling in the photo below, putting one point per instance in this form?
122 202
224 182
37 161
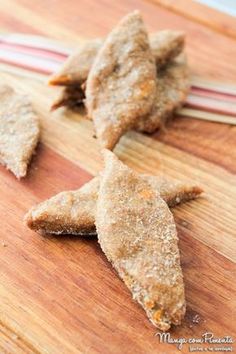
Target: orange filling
146 194
158 315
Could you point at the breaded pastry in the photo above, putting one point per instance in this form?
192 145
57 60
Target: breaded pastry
137 233
76 68
173 192
70 212
73 212
172 89
19 131
165 45
121 85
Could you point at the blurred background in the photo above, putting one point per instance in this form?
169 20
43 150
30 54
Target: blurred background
227 6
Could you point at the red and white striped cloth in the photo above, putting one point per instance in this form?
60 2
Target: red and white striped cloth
44 56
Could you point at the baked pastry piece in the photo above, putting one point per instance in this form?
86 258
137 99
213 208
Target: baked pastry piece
172 89
137 233
121 85
19 131
76 68
73 212
70 212
165 45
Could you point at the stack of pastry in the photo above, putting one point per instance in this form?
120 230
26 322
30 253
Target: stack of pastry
127 81
135 228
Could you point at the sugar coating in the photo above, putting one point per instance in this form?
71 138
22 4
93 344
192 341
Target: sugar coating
73 212
121 85
172 88
19 131
76 68
137 233
70 212
165 45
172 85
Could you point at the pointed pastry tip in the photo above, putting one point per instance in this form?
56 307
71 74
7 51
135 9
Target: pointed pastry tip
178 34
108 138
108 156
197 190
134 13
19 131
57 80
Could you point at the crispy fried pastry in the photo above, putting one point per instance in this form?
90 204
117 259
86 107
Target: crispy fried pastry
19 131
121 85
73 212
172 89
76 68
173 192
137 233
165 45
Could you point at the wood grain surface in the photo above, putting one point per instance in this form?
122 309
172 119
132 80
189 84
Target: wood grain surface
60 295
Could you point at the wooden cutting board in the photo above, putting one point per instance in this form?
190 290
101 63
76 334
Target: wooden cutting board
60 295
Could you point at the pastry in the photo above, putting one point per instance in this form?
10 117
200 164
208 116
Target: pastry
76 68
73 212
165 45
19 131
70 212
121 85
137 233
172 88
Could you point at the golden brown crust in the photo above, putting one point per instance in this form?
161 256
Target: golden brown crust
172 88
19 131
121 85
73 212
137 233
